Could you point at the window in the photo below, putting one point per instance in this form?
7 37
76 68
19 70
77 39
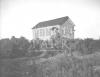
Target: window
64 30
44 32
41 32
36 35
71 31
33 34
48 32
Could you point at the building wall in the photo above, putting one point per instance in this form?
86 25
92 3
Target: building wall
67 29
44 32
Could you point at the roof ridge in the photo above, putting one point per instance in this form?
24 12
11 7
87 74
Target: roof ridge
52 22
54 19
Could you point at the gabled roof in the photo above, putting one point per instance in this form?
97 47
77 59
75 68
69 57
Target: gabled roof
58 21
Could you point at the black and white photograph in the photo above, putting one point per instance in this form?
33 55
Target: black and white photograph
49 38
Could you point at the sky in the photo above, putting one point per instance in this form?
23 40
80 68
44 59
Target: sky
17 17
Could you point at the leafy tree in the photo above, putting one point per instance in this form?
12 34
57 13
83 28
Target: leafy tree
5 48
14 47
20 46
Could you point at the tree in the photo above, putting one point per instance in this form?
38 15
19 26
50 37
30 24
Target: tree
20 46
5 48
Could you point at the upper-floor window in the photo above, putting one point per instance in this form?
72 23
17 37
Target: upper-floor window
41 32
64 30
33 34
36 34
48 32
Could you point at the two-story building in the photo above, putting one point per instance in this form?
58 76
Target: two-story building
43 30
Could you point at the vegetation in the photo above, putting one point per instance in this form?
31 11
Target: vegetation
14 47
58 57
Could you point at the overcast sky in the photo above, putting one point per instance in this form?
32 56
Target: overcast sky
17 17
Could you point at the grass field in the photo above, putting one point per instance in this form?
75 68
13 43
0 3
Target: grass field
60 65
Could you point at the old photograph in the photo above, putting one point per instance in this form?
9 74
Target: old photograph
49 38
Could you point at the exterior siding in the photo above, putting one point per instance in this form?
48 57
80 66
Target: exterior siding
43 33
67 29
